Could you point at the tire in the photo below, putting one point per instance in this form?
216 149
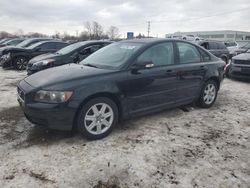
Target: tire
208 94
20 63
184 38
91 122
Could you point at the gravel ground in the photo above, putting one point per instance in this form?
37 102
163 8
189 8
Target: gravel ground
189 147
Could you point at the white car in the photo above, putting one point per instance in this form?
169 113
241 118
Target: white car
232 46
187 37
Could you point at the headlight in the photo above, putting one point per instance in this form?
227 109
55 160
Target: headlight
53 96
44 62
6 56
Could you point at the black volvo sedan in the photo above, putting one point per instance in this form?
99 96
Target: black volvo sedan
120 81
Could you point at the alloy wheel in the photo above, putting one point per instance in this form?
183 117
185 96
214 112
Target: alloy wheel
209 94
98 118
21 63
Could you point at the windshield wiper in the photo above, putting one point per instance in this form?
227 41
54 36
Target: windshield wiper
90 65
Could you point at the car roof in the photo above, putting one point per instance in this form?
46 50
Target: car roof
91 41
149 40
45 41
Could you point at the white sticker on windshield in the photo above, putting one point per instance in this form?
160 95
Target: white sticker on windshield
127 47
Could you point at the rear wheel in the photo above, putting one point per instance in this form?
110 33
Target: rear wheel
208 94
20 63
97 118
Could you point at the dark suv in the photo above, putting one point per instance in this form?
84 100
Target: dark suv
120 81
217 48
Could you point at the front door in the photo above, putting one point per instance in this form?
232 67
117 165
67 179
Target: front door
153 87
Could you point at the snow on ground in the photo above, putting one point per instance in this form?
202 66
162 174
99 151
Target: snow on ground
175 148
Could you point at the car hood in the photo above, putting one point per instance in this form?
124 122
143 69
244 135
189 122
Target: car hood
243 56
63 74
43 57
7 49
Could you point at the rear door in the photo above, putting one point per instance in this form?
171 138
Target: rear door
190 72
154 87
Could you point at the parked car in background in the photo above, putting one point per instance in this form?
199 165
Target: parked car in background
217 48
242 49
24 44
232 46
120 81
73 53
240 66
19 57
12 42
4 40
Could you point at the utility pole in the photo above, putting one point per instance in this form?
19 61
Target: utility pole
148 28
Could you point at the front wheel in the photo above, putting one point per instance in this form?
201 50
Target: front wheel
208 94
20 63
97 118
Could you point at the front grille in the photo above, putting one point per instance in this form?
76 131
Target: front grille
242 62
20 93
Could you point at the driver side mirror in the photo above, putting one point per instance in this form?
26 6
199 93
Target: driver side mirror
143 65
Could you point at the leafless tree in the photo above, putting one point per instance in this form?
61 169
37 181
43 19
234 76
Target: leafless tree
113 32
94 30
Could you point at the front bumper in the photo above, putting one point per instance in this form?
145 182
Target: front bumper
240 71
54 116
33 69
5 63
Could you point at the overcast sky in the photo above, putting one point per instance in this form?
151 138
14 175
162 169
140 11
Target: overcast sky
49 16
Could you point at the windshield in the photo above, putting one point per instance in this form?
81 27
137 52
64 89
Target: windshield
24 43
230 44
70 48
246 46
112 56
34 45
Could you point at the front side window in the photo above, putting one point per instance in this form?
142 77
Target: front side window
48 46
188 53
160 54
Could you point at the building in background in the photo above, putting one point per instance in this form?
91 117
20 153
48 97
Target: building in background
223 35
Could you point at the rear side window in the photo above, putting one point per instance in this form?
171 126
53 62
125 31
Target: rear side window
188 53
159 54
204 56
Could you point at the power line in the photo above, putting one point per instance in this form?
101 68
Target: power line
208 16
187 19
